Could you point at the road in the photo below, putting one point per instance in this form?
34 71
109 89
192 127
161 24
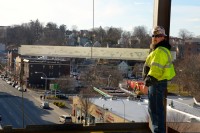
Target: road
19 112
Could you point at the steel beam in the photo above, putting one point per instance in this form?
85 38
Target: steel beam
161 14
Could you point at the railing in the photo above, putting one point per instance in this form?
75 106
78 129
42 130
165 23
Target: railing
79 128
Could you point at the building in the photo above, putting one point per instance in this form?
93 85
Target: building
192 46
47 68
3 34
106 110
12 54
177 46
123 67
3 53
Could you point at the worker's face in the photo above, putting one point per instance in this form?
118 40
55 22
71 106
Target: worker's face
157 38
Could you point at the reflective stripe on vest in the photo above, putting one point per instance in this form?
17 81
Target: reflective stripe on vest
169 60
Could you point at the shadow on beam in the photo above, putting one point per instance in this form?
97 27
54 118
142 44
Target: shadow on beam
79 128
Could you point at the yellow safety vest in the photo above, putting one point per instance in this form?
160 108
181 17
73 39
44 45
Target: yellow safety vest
160 63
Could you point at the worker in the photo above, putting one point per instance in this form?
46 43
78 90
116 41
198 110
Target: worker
157 70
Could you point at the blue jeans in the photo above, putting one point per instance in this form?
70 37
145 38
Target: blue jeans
156 95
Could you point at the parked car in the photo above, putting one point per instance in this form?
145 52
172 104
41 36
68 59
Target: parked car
74 74
16 86
9 82
13 84
66 119
5 78
62 96
2 75
44 105
21 89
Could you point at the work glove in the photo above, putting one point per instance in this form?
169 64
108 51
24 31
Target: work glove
150 80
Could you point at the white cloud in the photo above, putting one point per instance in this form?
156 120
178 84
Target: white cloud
139 3
194 20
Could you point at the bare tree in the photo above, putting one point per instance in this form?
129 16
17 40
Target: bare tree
126 35
140 32
85 103
96 75
100 34
188 71
137 70
112 35
185 34
65 83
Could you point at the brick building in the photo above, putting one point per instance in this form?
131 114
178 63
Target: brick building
12 54
47 68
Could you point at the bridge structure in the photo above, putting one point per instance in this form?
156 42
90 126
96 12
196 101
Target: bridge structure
84 52
87 52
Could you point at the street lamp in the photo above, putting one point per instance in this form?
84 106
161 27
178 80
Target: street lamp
43 78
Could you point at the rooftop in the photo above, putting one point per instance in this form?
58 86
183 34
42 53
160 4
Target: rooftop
137 110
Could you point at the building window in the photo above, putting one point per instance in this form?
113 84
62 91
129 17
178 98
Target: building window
50 67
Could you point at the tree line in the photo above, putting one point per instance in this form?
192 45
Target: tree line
35 33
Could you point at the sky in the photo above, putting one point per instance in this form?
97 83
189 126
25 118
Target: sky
125 14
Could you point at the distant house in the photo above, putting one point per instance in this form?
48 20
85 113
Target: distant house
71 40
82 41
87 44
192 46
97 44
123 67
177 46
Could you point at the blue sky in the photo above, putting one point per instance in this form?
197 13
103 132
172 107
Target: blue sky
126 14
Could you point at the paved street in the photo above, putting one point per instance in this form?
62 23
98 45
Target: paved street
19 112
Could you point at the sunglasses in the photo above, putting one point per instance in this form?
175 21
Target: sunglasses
157 36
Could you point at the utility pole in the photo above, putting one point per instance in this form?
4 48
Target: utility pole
21 85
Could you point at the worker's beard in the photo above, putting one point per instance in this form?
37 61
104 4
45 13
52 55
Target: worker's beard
152 46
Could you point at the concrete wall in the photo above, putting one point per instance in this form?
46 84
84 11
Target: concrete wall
84 52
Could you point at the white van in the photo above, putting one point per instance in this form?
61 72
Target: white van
67 119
